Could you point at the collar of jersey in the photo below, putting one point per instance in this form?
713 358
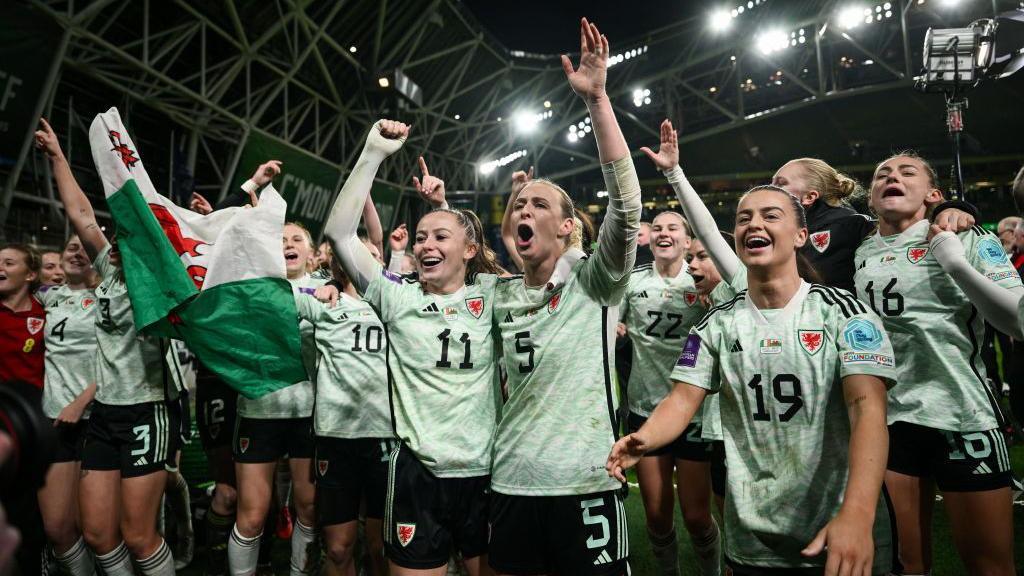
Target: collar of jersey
917 232
787 310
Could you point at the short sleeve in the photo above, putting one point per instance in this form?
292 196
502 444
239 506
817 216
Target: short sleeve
47 295
864 348
102 263
698 362
985 253
383 291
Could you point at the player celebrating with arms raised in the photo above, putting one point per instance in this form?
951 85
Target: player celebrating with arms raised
554 510
802 369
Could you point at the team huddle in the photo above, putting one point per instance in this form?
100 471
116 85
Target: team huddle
812 373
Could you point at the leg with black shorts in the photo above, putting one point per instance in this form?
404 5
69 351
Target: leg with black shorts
58 502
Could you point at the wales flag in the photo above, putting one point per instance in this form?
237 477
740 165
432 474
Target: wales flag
217 281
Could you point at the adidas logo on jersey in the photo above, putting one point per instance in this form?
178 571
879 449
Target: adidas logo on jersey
141 461
432 308
736 347
603 558
982 469
642 294
508 317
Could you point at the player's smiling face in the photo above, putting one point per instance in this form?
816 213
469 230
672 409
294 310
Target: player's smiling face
767 231
441 251
702 268
902 189
297 250
15 274
668 237
51 272
540 223
74 261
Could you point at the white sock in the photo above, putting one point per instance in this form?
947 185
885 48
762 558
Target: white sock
243 553
302 537
159 563
709 551
666 551
117 562
78 560
178 498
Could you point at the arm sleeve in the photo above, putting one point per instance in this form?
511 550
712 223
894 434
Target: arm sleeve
343 221
703 224
395 262
863 345
616 243
988 279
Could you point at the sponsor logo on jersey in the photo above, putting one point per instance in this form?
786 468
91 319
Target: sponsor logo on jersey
405 533
642 294
863 335
553 303
821 240
432 307
86 302
508 317
451 313
475 306
916 253
991 251
811 340
736 346
690 298
997 276
867 358
391 276
34 325
321 466
771 346
690 350
243 444
887 260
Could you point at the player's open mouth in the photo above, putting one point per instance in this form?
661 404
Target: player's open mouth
697 278
892 191
524 234
666 243
3 277
756 243
430 262
291 256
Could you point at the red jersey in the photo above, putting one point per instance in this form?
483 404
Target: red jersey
21 344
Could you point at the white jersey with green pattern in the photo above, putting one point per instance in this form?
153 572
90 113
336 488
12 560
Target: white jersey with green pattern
787 432
70 345
295 401
352 378
658 313
936 331
130 367
558 424
444 376
720 294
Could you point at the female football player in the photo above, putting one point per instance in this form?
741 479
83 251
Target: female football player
803 370
934 290
553 509
444 386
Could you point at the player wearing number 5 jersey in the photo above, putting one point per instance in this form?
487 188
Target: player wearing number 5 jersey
802 370
129 438
660 306
444 385
352 421
554 511
934 291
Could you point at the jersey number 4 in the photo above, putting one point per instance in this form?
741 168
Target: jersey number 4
791 400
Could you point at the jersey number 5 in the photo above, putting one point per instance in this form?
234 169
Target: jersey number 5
793 401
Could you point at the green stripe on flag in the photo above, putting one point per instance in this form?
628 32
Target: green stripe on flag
156 278
269 358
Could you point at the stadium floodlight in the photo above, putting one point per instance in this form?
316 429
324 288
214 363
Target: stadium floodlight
641 96
771 41
458 116
383 82
525 121
352 49
492 165
850 17
720 21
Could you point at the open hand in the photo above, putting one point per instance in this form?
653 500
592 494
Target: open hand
199 204
520 179
431 188
625 454
399 239
387 136
667 157
46 140
851 549
588 80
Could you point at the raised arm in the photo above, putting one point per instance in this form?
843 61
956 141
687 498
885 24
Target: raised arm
616 248
997 305
374 229
76 205
508 237
431 188
847 537
385 138
697 214
398 240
